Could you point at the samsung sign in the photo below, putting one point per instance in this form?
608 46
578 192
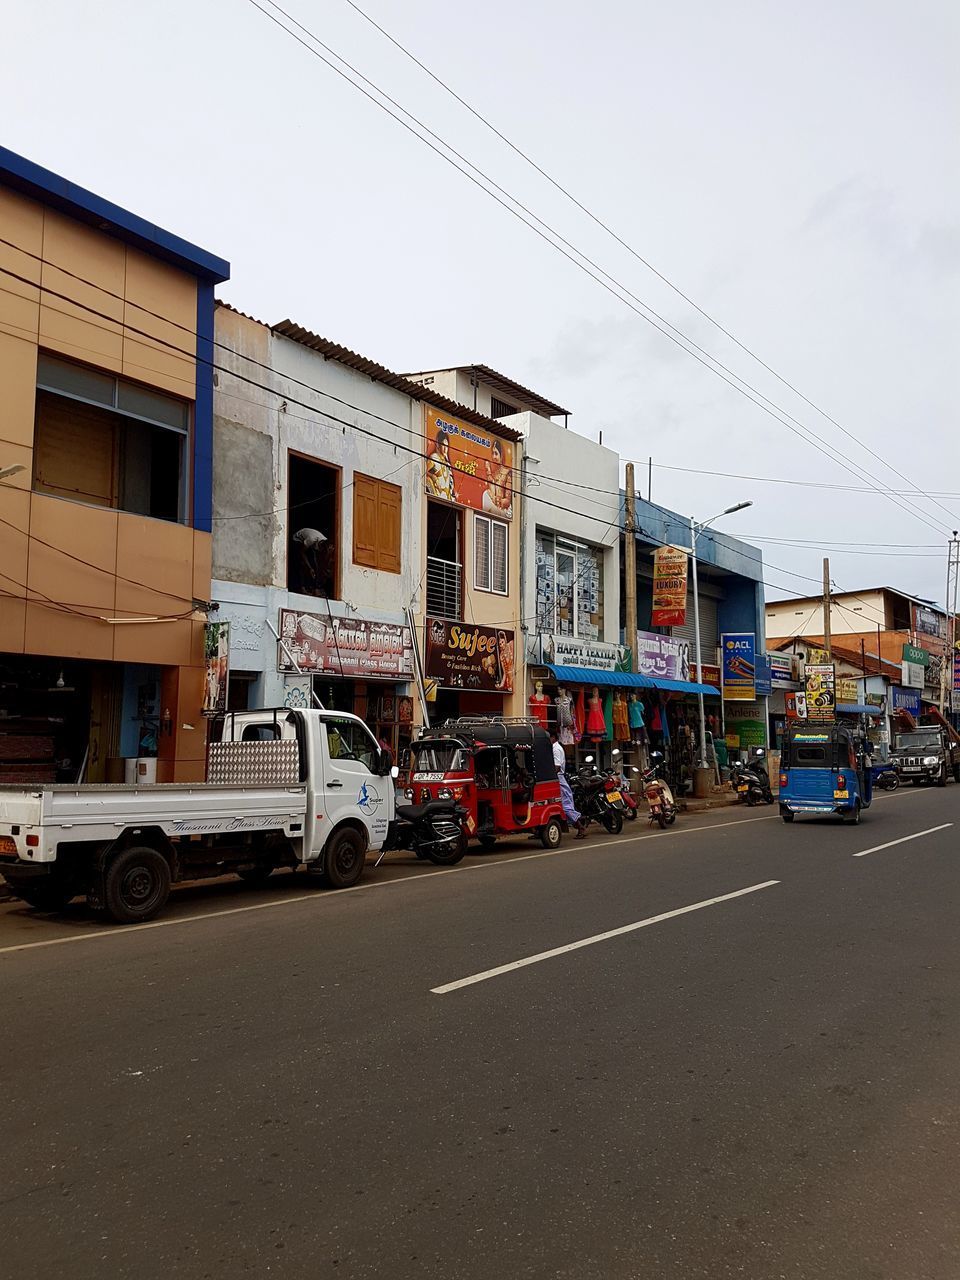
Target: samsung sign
906 700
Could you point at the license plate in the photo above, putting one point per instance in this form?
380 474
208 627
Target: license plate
614 796
745 787
8 844
841 795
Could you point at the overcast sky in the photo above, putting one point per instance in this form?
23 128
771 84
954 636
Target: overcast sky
792 168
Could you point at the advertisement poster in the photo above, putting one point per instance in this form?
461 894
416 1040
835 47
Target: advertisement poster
463 656
748 723
669 587
820 679
467 466
216 656
796 705
905 700
847 691
739 666
928 622
663 657
344 647
912 675
782 671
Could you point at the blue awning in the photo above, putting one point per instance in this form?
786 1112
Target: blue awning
857 709
629 680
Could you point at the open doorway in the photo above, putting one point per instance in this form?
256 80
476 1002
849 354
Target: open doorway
313 527
444 561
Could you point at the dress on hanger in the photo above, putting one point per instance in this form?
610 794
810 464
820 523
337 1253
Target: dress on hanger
565 719
596 725
621 725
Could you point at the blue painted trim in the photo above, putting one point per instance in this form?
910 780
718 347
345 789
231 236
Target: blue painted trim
203 413
628 680
49 188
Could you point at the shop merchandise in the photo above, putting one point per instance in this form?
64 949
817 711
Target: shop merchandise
579 716
564 704
621 723
596 725
638 731
539 702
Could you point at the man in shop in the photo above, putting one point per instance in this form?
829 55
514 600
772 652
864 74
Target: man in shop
571 813
313 553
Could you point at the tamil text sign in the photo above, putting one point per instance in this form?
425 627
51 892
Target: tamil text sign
739 656
354 647
566 652
669 587
468 466
460 655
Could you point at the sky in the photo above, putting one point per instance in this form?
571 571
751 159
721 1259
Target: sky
793 170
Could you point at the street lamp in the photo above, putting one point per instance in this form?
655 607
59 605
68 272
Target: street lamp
695 531
5 472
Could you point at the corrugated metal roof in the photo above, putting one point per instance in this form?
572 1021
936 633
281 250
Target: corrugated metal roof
500 382
379 373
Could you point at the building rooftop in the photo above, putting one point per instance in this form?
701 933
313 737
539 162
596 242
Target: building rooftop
49 188
834 595
502 384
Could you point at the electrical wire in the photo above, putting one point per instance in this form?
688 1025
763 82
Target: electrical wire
803 484
615 288
624 244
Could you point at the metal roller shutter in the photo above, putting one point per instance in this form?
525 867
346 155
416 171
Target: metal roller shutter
709 627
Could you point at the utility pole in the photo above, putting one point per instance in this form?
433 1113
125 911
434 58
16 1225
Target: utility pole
826 607
630 564
946 670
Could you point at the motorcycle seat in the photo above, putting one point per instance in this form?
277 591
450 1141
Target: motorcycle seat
414 812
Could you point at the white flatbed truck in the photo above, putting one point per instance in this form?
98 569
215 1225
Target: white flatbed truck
285 788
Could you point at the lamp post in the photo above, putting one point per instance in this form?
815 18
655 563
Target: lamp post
695 531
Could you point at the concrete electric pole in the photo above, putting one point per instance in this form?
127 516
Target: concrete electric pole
827 641
630 563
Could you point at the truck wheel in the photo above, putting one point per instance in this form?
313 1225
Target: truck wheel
259 873
136 885
956 773
613 821
942 776
344 858
551 834
43 897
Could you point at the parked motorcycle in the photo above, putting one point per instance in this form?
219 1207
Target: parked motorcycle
660 802
886 777
597 798
433 831
622 784
751 780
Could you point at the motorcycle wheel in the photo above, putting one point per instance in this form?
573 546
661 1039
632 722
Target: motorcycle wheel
750 798
612 821
662 820
451 855
768 799
671 817
630 815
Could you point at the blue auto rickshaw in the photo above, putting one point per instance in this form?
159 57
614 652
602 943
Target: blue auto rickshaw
825 769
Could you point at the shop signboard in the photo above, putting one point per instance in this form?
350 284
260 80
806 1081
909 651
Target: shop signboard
216 658
911 675
956 671
460 655
905 700
358 648
669 587
711 674
820 680
928 622
564 651
847 690
796 705
781 670
764 676
739 665
468 466
817 655
746 720
911 653
662 657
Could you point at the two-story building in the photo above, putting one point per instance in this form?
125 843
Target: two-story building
106 371
362 552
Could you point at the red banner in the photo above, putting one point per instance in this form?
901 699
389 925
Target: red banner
669 587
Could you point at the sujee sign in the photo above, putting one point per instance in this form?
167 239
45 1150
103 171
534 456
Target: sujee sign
463 656
669 587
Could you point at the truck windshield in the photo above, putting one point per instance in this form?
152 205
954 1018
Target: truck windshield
439 757
931 739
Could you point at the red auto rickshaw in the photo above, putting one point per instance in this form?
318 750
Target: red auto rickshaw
500 770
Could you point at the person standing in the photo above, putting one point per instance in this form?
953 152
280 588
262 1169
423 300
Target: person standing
571 813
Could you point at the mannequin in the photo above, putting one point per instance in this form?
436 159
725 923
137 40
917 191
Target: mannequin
635 715
564 705
596 725
621 725
539 702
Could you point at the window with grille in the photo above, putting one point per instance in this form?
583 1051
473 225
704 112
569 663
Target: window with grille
490 548
500 408
569 587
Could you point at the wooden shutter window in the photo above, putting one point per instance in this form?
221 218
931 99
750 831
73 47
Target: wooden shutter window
376 524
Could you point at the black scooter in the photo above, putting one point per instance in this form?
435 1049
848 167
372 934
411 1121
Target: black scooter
751 780
589 788
433 831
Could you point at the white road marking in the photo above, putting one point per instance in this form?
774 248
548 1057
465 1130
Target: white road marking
903 840
121 931
597 937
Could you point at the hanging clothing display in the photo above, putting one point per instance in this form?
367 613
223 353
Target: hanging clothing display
596 725
580 716
539 704
621 723
564 704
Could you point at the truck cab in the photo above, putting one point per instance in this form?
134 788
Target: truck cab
926 753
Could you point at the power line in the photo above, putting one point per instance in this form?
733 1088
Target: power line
617 289
803 484
625 245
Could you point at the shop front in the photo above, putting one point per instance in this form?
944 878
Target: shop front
352 664
469 670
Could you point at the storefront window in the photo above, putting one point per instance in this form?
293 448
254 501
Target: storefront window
569 587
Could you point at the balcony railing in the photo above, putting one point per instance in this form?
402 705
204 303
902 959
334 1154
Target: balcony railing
444 588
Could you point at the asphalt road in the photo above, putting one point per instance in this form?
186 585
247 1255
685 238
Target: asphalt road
293 1083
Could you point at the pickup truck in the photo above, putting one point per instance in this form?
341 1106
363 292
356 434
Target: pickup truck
926 753
284 788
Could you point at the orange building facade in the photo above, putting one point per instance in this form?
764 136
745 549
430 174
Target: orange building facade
106 388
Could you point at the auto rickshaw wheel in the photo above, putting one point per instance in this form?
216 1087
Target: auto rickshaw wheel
551 834
487 842
855 815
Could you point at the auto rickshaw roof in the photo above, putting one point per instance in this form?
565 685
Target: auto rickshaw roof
475 733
